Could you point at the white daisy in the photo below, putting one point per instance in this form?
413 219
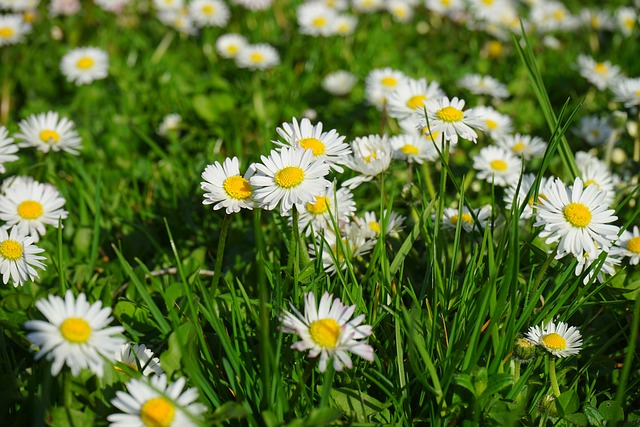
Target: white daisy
138 357
590 262
333 205
170 123
626 18
316 19
523 194
451 217
594 130
344 24
484 85
7 149
29 206
328 146
257 57
75 333
336 253
180 19
597 19
575 218
448 117
371 226
149 401
495 123
114 6
84 65
627 90
600 74
64 7
445 7
209 13
225 187
13 29
523 145
367 6
18 257
48 132
411 125
401 10
561 340
413 148
380 83
287 177
19 5
550 16
497 165
371 157
594 171
228 45
628 245
164 5
409 96
339 83
253 4
328 331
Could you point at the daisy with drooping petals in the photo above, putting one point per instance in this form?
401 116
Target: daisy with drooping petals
84 65
338 250
410 95
328 331
497 165
447 116
600 74
483 85
523 145
628 245
626 19
372 227
451 217
7 149
413 148
138 357
371 157
18 257
12 29
576 218
339 83
209 13
590 262
225 186
228 45
401 10
627 91
75 333
332 205
287 177
151 402
260 56
48 132
561 340
594 130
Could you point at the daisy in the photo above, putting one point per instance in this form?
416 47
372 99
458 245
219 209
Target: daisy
380 83
628 245
151 402
316 19
287 177
12 29
627 90
64 7
391 221
409 97
257 57
209 13
600 74
367 6
451 217
328 146
18 257
29 206
591 263
401 10
114 6
561 340
594 130
170 123
597 19
371 157
138 357
528 180
331 206
445 7
626 18
344 24
333 4
253 4
413 148
497 165
164 5
575 218
7 149
339 83
550 16
594 171
84 65
523 145
435 140
19 5
483 85
228 45
48 132
180 19
328 331
75 333
448 117
225 187
495 123
337 252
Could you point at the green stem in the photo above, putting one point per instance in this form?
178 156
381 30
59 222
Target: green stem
553 377
327 383
630 354
220 254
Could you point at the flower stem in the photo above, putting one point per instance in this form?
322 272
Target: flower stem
220 254
327 384
553 377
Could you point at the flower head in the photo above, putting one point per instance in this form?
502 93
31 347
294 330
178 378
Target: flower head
561 340
18 257
371 156
226 187
84 65
257 57
49 132
7 149
447 116
138 357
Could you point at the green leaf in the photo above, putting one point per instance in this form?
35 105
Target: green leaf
229 410
66 417
578 419
17 302
359 405
568 403
507 413
317 417
611 411
203 107
593 416
464 380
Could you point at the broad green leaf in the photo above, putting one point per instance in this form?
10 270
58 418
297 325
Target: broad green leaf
611 411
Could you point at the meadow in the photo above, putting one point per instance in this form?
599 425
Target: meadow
323 212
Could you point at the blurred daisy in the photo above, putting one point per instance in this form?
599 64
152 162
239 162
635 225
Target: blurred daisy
48 132
328 331
18 257
151 402
371 157
168 5
253 4
411 125
628 245
486 9
339 83
550 16
338 252
114 6
627 91
225 187
209 13
497 165
599 74
257 57
597 19
228 45
333 4
576 218
445 7
316 19
409 96
367 6
626 18
413 148
528 180
331 206
288 177
401 10
591 263
594 130
495 123
19 5
594 171
380 83
328 146
64 7
561 340
447 116
344 24
7 149
451 217
13 28
371 226
84 65
483 85
180 19
170 122
75 333
523 145
138 357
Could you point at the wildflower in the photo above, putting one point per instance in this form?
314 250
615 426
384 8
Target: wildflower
151 402
445 7
495 123
410 95
328 331
7 149
253 4
64 7
401 10
84 65
18 257
525 186
316 19
138 357
590 262
48 132
332 205
594 171
170 122
561 340
344 24
75 333
391 221
367 6
497 165
339 83
413 148
13 28
257 57
168 5
524 350
597 19
599 74
483 85
523 145
627 91
594 130
209 13
338 248
380 83
180 19
626 18
114 6
226 187
447 116
451 217
371 157
628 245
228 45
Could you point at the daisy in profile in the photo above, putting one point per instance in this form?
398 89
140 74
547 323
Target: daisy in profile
371 157
75 334
380 83
257 57
18 257
339 83
590 263
594 171
13 28
594 130
627 90
484 85
228 45
138 357
451 217
409 97
371 226
577 218
29 206
84 65
525 193
628 245
524 146
49 132
626 19
497 165
548 16
329 331
209 13
7 149
495 123
339 249
560 339
413 148
599 74
447 116
316 19
225 187
152 402
288 177
331 206
328 146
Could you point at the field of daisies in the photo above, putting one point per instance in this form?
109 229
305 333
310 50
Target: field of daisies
319 212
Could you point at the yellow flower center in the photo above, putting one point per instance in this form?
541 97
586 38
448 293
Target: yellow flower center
232 49
237 187
416 101
207 9
517 148
320 21
595 22
374 226
558 14
554 341
450 114
409 149
494 49
445 2
389 81
370 157
6 32
465 218
290 176
595 133
11 250
629 23
400 12
487 2
499 165
256 57
157 412
75 330
85 63
320 206
577 214
30 209
591 182
325 332
638 93
49 136
491 124
633 245
314 145
601 68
